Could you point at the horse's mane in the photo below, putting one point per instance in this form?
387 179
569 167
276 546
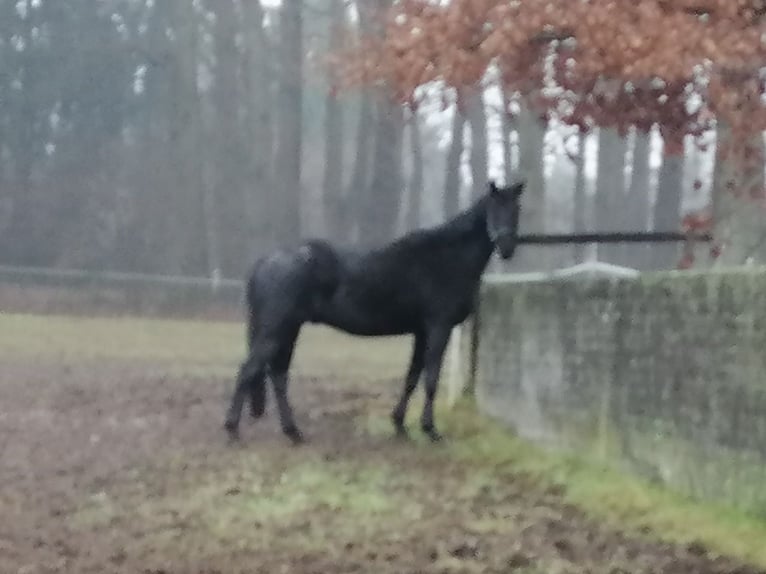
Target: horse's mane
466 223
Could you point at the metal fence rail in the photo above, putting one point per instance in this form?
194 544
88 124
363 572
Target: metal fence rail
79 291
79 277
66 289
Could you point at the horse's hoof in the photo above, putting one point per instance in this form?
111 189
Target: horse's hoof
232 430
401 433
295 436
257 409
433 435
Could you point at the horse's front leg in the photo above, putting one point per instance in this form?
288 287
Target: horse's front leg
436 342
410 383
279 379
258 396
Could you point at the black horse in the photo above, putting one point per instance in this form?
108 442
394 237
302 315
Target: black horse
422 284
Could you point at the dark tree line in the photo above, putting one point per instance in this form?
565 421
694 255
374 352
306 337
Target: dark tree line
188 136
183 136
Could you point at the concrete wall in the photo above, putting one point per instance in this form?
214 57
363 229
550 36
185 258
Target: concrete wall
662 374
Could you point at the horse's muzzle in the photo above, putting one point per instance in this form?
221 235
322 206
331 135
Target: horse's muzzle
506 246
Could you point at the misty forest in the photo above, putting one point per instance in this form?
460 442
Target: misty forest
189 137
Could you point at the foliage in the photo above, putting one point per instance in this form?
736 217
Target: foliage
680 64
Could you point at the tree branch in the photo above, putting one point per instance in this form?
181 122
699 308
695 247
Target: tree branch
547 36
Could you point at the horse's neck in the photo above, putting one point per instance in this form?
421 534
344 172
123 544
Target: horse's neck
469 232
462 243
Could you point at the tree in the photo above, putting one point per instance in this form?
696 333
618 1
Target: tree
667 209
740 229
610 188
580 207
383 197
359 183
415 184
507 126
476 116
230 159
385 192
188 248
27 65
287 212
531 129
682 65
452 182
259 83
332 183
636 216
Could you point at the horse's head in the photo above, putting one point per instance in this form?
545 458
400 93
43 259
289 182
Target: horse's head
503 206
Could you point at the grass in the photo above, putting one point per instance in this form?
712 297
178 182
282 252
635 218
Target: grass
328 501
621 500
605 494
366 489
192 345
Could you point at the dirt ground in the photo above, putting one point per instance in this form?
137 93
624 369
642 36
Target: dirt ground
121 466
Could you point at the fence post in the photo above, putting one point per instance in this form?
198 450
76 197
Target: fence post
473 350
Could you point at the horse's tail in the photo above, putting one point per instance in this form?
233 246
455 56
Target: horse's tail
251 287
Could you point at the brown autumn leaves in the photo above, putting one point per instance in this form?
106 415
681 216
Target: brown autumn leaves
590 63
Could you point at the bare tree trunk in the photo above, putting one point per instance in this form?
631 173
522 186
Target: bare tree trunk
385 194
210 216
412 221
476 117
580 210
360 176
531 141
610 188
637 210
333 195
290 122
507 127
667 211
186 247
230 158
24 222
258 75
452 181
155 192
740 228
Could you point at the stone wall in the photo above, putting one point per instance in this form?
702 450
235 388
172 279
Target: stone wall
661 374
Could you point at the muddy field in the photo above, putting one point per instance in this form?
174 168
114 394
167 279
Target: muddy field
120 465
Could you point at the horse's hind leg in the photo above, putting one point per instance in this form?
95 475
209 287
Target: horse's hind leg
258 396
252 369
279 378
410 383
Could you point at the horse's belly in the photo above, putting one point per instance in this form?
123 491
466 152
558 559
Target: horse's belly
367 322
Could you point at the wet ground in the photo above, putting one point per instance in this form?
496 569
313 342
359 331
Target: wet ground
122 466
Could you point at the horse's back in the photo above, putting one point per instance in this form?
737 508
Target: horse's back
286 286
406 285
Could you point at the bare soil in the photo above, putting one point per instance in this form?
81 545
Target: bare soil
121 467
